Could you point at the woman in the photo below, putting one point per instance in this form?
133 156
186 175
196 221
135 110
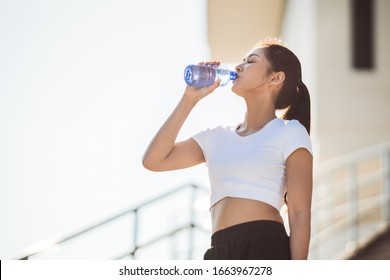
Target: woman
251 165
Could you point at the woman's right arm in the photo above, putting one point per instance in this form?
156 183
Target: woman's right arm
163 152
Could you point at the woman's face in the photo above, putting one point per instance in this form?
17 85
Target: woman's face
253 73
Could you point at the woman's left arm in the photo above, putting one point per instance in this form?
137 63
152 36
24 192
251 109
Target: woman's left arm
299 167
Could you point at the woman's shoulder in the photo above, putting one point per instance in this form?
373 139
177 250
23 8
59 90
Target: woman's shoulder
213 134
291 126
293 136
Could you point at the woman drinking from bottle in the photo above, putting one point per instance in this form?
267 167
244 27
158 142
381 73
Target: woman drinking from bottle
255 166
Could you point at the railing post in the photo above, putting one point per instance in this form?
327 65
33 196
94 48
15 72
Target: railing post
386 186
314 227
135 237
353 203
174 254
192 223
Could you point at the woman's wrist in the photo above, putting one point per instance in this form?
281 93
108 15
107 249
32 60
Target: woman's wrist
189 100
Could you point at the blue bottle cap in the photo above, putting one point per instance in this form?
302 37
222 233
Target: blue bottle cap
233 75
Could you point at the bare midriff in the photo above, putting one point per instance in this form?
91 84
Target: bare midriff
232 211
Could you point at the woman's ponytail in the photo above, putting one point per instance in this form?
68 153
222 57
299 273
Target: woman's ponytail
300 107
294 95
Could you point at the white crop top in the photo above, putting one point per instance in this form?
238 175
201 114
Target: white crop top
252 166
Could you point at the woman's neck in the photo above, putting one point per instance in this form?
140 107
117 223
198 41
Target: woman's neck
256 117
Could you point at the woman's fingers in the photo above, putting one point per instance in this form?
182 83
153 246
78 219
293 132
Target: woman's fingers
210 63
214 85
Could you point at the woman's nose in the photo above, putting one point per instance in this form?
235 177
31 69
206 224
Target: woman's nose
238 68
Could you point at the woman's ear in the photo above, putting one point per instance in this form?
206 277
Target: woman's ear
277 78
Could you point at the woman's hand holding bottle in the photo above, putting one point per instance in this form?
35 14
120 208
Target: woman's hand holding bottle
198 93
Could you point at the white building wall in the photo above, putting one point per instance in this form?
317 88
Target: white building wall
349 107
352 104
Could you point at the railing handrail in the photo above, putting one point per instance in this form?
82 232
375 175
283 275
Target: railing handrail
345 189
323 168
336 163
46 244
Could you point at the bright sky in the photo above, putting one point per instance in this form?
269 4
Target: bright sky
84 85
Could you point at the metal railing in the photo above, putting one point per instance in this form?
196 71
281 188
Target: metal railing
351 202
46 245
351 205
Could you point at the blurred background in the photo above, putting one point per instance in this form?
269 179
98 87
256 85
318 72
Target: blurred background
84 86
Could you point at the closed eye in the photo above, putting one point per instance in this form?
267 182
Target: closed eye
249 60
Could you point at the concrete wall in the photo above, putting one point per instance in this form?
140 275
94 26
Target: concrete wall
353 105
234 27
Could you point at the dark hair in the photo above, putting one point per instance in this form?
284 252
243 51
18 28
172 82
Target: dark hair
294 95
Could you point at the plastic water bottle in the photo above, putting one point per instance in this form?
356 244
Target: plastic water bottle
203 76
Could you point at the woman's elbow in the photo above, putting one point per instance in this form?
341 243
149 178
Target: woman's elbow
300 217
150 164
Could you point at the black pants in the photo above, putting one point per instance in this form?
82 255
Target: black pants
257 240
